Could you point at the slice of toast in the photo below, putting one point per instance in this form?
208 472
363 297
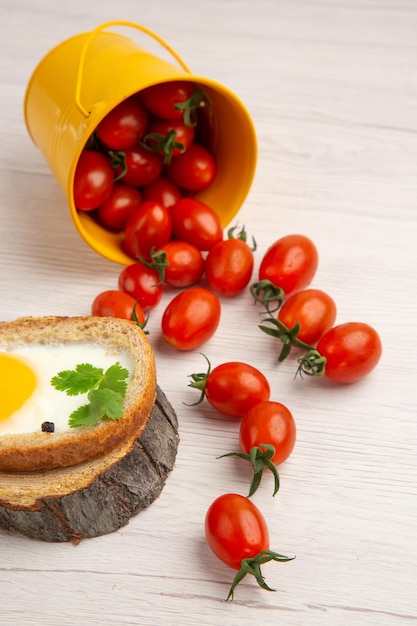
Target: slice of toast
35 451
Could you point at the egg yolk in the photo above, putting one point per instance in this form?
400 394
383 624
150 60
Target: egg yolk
17 383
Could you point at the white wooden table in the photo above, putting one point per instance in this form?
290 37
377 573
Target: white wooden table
332 88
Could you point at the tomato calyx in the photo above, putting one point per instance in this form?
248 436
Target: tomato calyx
118 159
158 262
199 382
135 319
164 144
197 100
260 458
252 566
312 364
288 336
242 234
265 292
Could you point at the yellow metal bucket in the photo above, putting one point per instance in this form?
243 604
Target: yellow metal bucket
83 78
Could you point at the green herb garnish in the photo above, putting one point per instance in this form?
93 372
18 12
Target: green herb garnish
105 392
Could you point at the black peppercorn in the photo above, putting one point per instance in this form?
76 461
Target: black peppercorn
48 427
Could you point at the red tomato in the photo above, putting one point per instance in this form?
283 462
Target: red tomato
351 350
313 309
235 529
93 180
233 388
191 318
116 304
161 99
149 226
290 263
137 166
269 423
193 170
162 190
229 266
185 264
169 137
196 222
142 283
122 201
124 126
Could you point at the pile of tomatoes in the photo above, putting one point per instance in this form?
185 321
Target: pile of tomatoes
147 153
138 174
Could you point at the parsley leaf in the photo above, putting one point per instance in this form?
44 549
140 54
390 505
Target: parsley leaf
105 392
115 379
80 380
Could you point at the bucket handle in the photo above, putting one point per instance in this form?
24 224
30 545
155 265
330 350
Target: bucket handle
98 29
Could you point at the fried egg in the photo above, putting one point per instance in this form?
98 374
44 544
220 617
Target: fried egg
27 398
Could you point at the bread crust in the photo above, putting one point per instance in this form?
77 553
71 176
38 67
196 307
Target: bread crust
46 451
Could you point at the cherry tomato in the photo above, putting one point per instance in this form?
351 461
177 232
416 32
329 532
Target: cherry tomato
229 266
237 533
142 284
124 126
169 137
185 263
196 222
191 318
290 263
232 388
235 529
149 226
313 309
122 201
114 303
93 180
351 350
137 166
269 423
162 190
193 170
161 99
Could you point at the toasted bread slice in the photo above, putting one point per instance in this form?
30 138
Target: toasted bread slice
35 451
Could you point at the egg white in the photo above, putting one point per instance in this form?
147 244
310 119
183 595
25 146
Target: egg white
47 403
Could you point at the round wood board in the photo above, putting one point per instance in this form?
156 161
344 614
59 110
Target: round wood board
97 497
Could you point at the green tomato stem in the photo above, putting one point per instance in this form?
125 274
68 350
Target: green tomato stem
198 100
252 566
118 159
312 364
288 336
158 262
163 143
135 319
265 292
260 458
241 235
200 381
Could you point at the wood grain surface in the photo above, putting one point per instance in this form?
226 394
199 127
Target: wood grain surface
332 89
